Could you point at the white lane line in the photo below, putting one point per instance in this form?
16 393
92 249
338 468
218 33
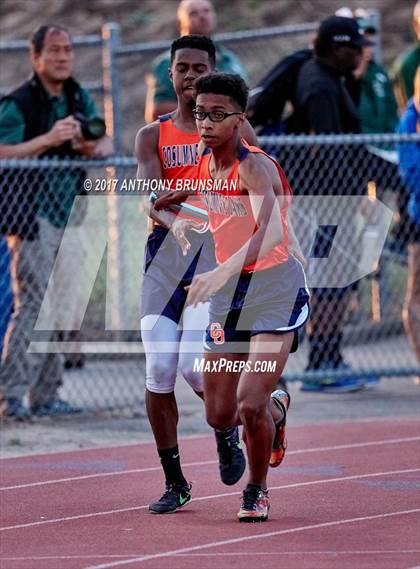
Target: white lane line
301 426
46 557
212 497
230 554
123 445
205 463
294 553
211 544
100 475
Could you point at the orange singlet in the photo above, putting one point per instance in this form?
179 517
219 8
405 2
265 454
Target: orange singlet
232 222
178 153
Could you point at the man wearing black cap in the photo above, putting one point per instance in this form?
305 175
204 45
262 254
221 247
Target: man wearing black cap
324 106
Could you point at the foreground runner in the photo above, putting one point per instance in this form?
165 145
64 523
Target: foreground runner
258 297
168 149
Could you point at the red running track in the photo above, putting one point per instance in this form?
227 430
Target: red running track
346 496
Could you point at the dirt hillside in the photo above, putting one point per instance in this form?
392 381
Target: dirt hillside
148 20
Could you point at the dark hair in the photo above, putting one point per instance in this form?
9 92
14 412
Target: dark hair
38 37
228 84
195 42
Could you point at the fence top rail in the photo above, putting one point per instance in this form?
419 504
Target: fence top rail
226 38
268 32
155 46
304 139
42 163
92 86
129 161
23 45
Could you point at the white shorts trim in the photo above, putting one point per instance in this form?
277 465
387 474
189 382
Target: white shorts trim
301 319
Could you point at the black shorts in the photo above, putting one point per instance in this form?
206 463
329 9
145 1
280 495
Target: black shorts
274 300
167 271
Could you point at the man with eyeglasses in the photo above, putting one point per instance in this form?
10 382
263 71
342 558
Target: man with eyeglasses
168 149
42 119
257 293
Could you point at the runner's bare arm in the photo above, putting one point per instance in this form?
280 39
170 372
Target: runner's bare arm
149 167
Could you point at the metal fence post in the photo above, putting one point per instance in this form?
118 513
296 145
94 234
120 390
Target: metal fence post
112 99
376 22
116 305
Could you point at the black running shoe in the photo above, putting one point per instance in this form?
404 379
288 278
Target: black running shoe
231 457
174 497
255 505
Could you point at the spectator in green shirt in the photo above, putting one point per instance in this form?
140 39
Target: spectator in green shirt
370 85
377 107
406 65
42 118
193 17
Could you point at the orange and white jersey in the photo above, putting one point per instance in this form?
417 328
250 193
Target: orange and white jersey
231 218
178 153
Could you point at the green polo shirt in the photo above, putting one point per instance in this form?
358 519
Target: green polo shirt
56 198
377 107
226 62
403 75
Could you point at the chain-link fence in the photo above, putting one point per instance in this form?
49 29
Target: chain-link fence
350 214
77 268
